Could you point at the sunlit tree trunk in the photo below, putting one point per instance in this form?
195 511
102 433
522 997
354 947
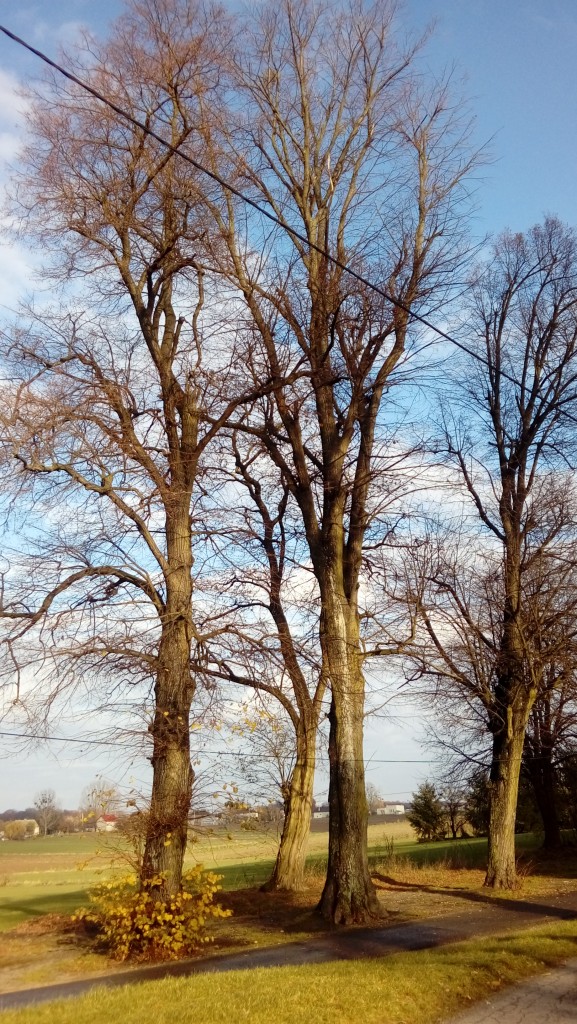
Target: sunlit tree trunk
504 788
167 821
289 868
348 896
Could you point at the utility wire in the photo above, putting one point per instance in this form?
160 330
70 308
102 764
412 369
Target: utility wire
256 206
240 195
251 757
217 753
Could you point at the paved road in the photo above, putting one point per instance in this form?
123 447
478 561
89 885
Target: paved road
483 916
548 999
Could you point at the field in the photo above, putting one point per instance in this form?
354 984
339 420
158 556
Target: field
43 878
52 874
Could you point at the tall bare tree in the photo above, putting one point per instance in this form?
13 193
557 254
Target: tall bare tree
47 810
332 129
273 647
552 726
511 625
107 419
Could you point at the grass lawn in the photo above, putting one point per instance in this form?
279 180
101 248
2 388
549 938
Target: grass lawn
407 988
52 875
43 878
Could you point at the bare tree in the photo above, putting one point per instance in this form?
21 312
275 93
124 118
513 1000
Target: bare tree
455 809
550 738
47 810
107 420
374 798
99 797
332 128
267 758
498 631
266 586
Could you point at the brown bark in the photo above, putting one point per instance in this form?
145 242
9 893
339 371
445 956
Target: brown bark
288 871
504 788
348 896
167 821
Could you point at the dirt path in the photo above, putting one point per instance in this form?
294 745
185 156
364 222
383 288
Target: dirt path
484 916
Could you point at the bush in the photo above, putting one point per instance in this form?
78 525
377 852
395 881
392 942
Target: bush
137 924
15 829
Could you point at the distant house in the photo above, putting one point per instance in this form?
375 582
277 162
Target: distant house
391 809
32 826
321 812
107 823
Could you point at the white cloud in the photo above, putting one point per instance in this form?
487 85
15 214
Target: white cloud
16 273
12 111
63 35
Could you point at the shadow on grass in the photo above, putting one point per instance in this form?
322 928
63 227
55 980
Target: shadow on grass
472 853
493 899
37 906
243 876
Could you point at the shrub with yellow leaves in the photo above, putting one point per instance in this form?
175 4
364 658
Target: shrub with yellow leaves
136 923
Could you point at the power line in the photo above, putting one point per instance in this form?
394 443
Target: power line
216 753
368 761
296 235
64 739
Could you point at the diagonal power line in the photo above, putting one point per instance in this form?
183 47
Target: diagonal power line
296 235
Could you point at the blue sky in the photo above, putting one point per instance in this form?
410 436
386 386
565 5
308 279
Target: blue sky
517 62
517 58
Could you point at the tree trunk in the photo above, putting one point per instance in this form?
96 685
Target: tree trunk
504 787
348 896
288 872
167 822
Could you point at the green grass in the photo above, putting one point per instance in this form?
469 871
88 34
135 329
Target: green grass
19 904
466 853
406 988
77 845
243 875
53 874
